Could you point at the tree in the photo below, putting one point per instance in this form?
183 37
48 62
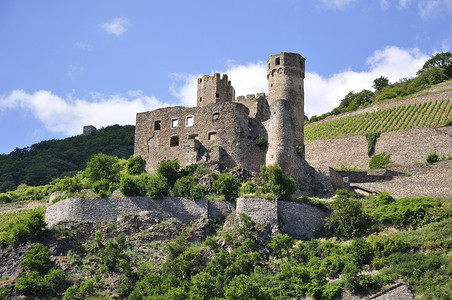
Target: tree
228 186
275 182
440 60
242 287
170 170
102 166
135 165
380 83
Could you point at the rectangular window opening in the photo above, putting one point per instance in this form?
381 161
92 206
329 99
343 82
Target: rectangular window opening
174 123
157 125
217 95
277 61
212 136
216 116
174 141
189 121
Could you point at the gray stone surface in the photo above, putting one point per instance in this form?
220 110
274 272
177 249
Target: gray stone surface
300 220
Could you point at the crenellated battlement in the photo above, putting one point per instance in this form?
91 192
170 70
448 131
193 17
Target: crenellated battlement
214 89
250 97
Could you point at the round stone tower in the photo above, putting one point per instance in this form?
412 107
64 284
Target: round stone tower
285 75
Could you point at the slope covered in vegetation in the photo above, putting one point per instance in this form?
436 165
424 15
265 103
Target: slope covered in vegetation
44 161
428 114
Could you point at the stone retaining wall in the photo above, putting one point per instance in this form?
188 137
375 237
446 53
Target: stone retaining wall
405 146
299 220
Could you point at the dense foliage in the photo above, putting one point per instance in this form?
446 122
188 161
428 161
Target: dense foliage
44 161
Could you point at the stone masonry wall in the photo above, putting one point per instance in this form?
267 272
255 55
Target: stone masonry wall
299 220
405 146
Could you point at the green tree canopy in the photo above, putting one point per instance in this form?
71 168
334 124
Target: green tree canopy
440 60
102 166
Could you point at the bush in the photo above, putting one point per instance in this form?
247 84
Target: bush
275 182
102 187
131 186
102 167
71 184
348 219
384 198
196 192
183 186
37 259
228 186
4 198
379 161
135 165
170 170
31 282
260 141
432 158
249 187
157 186
371 138
242 287
21 225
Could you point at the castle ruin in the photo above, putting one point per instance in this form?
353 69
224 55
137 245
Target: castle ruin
224 128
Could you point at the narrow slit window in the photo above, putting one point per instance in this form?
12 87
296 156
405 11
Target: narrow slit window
217 95
200 99
157 125
174 123
188 121
174 141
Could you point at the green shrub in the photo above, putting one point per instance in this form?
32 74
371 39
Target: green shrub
361 252
55 277
242 287
157 186
135 165
432 157
196 192
379 161
4 292
5 198
260 141
348 218
101 187
300 151
228 186
31 282
170 170
102 167
71 184
21 225
275 182
190 170
249 187
384 198
281 245
371 138
131 186
37 259
183 186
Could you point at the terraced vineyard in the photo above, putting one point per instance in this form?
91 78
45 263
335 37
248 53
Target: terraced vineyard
428 114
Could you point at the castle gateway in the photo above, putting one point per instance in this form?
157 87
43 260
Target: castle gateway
248 131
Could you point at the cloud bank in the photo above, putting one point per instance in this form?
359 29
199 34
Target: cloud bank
116 26
322 94
68 116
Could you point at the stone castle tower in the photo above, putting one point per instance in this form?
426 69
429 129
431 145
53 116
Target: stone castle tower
224 129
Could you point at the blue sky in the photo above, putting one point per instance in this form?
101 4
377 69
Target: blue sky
66 64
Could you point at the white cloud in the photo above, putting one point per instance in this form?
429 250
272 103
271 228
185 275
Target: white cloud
322 94
116 26
69 116
431 8
335 4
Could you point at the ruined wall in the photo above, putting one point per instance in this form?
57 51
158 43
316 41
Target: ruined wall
220 128
405 146
214 89
299 220
257 104
109 209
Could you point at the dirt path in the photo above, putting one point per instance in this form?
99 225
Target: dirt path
19 206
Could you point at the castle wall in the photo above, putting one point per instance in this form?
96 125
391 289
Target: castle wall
214 89
300 220
218 131
257 104
405 146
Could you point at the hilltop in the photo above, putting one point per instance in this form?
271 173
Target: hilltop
38 164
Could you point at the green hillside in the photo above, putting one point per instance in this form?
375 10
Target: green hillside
428 114
44 161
